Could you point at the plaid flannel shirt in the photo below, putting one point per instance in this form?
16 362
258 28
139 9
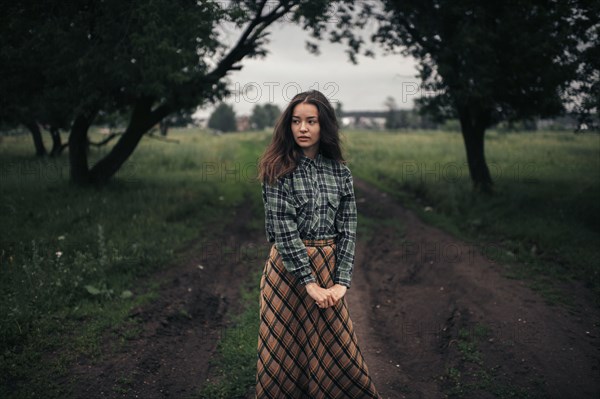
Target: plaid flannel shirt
315 201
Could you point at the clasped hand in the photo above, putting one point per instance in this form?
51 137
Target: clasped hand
325 297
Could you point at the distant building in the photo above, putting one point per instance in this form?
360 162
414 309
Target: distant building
242 123
370 120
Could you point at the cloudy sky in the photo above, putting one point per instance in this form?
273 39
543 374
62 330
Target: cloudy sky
289 68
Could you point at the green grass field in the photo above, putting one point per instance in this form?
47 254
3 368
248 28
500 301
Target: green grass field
70 258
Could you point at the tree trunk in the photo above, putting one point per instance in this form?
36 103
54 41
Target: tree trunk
164 128
142 119
473 125
34 128
57 146
78 146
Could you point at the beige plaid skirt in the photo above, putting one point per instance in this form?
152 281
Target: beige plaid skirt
305 351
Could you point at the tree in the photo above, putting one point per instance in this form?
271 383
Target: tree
144 59
223 119
339 112
584 93
272 112
258 118
392 116
34 94
264 116
486 61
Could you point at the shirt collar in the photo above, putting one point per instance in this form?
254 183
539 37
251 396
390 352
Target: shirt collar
306 161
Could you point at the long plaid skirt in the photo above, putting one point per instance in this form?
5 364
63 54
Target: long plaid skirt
305 351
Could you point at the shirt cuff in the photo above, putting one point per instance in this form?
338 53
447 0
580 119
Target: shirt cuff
343 278
309 278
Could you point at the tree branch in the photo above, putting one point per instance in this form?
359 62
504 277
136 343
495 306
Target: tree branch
106 140
247 41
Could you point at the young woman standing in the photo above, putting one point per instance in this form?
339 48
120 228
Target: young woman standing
307 347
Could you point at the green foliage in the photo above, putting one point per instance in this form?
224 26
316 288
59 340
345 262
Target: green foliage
264 116
339 112
223 118
106 53
393 119
467 344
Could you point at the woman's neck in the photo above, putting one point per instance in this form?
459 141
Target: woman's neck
311 153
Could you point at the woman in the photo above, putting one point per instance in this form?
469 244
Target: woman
306 345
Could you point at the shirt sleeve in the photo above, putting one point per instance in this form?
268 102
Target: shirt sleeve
281 216
345 224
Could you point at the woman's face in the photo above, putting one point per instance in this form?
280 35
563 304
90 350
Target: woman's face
306 129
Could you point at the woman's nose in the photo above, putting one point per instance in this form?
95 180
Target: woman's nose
303 126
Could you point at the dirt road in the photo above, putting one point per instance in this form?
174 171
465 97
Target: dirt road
425 302
433 317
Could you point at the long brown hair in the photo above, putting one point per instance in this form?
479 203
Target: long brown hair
282 155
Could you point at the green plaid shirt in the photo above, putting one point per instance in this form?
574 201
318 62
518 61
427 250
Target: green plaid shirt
315 201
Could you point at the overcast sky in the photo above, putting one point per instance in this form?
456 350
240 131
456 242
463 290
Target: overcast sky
289 68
